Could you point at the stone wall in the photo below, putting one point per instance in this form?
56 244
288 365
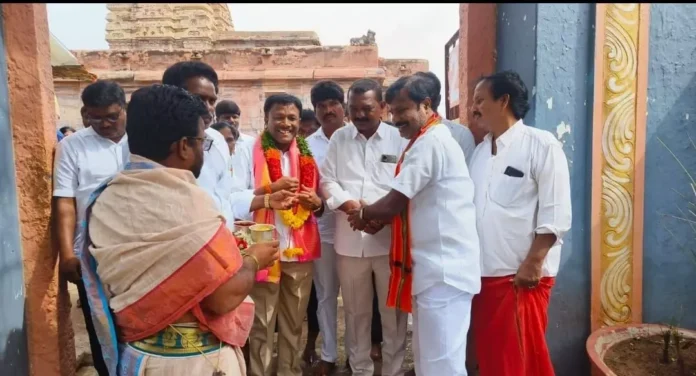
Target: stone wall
32 116
247 75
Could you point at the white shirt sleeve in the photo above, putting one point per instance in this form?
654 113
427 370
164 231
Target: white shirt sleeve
240 203
223 187
243 192
65 172
418 168
241 168
331 190
553 180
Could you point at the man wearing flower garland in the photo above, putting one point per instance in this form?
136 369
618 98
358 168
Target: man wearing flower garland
359 167
434 256
282 161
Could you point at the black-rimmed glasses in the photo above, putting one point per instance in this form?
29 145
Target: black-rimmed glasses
206 142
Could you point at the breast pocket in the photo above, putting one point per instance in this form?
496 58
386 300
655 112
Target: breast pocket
383 173
509 190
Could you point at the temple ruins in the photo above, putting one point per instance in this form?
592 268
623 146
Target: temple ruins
144 39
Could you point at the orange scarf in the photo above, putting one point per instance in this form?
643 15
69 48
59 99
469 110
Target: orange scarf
400 262
305 238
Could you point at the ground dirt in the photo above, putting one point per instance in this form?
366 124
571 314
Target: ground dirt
84 356
642 357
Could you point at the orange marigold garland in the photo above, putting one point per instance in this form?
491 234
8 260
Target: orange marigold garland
295 217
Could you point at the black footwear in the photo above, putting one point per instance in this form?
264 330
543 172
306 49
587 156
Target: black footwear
324 368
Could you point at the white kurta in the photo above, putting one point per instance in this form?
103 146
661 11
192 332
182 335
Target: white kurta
357 168
445 250
511 209
84 161
354 170
215 177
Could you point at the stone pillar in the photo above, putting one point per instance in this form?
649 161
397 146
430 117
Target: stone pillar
32 115
477 51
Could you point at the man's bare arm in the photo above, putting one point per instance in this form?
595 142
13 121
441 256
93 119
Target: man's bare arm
386 207
540 248
64 221
233 292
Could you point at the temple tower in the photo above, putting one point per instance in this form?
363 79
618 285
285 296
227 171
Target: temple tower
133 26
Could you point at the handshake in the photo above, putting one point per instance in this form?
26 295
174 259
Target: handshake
353 209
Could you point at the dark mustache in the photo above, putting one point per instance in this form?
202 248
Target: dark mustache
362 119
401 124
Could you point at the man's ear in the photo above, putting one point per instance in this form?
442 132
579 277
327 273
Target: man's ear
181 148
505 101
427 104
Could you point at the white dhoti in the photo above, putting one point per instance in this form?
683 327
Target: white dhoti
441 316
355 276
327 286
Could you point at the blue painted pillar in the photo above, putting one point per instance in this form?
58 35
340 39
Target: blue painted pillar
552 47
13 345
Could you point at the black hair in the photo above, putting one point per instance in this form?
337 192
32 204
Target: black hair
227 107
418 88
364 85
220 125
308 114
436 97
160 115
103 93
283 99
326 90
65 129
509 82
180 72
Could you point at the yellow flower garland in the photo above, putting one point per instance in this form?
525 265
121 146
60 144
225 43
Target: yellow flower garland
294 220
293 252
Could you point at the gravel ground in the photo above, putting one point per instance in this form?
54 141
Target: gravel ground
84 356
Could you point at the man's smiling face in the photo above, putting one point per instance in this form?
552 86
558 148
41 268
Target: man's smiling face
283 122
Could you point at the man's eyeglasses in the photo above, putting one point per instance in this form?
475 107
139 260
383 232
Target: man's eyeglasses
206 142
110 118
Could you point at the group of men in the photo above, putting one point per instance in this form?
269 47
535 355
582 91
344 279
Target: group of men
372 193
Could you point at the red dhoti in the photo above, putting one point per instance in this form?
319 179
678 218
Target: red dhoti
509 325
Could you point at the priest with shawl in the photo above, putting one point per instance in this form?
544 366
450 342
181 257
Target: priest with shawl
167 286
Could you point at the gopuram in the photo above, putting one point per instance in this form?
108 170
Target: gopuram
144 39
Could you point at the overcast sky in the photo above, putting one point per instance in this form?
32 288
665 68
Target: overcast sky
417 31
